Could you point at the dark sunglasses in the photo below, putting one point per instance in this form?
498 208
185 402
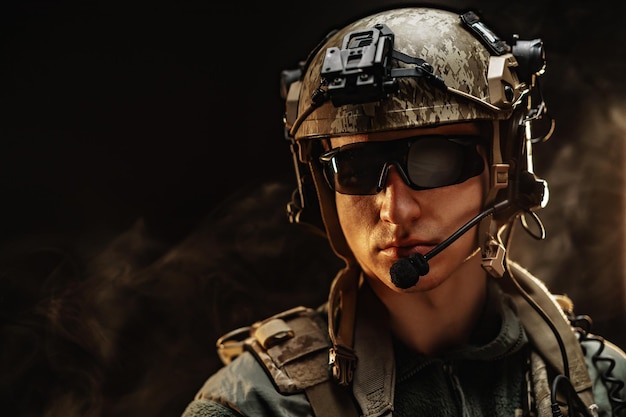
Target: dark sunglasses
424 162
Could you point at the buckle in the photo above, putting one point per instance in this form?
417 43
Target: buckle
341 363
231 344
493 259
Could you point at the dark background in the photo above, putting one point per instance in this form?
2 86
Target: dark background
136 144
114 110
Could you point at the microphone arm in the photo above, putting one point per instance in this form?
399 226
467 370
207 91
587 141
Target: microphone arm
407 271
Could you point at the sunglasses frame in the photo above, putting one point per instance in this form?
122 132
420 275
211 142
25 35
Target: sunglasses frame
473 165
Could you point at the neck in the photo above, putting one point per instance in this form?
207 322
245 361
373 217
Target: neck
438 319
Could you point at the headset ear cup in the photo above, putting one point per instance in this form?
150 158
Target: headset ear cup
532 192
304 207
526 190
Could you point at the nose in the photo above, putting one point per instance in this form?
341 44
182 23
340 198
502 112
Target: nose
399 203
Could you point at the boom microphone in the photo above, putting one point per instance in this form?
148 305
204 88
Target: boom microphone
406 272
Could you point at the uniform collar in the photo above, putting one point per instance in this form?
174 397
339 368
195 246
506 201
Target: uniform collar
499 333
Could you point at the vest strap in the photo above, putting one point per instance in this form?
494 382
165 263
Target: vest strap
329 399
522 287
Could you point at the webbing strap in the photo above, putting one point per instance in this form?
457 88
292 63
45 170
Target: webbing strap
328 399
374 379
341 323
541 334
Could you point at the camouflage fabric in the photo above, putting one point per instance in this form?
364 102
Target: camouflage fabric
292 363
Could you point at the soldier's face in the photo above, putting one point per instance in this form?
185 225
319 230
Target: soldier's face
399 220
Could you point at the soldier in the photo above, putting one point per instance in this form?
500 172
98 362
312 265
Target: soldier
412 131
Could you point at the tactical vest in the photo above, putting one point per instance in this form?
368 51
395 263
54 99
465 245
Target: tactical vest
293 347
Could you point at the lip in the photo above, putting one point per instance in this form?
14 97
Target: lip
399 250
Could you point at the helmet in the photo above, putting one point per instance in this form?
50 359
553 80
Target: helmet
411 67
405 68
438 54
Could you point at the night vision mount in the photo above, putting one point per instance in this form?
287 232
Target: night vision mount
361 71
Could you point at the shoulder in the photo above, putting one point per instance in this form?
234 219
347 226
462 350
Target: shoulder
604 354
602 363
208 408
267 368
292 348
606 363
242 388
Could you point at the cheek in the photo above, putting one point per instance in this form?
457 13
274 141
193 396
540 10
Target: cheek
486 175
346 206
354 212
477 190
484 183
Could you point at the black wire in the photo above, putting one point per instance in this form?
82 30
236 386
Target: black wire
542 313
582 324
612 384
573 401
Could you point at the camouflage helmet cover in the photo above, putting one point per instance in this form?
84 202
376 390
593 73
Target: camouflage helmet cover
455 54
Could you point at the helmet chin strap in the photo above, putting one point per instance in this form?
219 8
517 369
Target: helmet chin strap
472 254
342 297
492 248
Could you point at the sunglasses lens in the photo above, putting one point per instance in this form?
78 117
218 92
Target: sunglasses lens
355 169
433 162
